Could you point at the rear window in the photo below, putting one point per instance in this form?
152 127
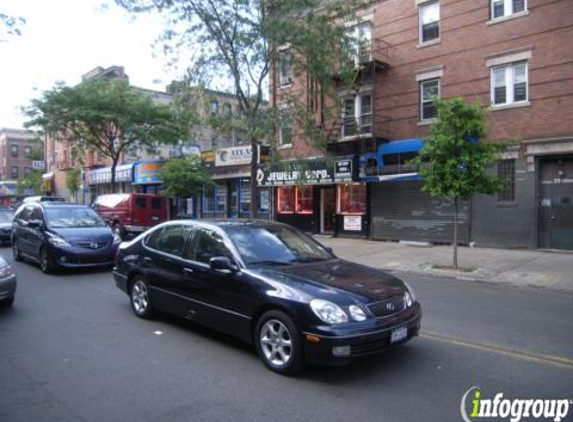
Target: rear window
156 203
140 202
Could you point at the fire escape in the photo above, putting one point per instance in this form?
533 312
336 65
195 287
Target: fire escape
351 132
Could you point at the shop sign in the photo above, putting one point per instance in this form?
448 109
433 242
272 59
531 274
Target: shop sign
343 170
208 158
147 173
123 173
236 156
353 223
38 164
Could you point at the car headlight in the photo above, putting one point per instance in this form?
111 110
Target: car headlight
58 241
116 238
356 313
409 296
328 311
6 271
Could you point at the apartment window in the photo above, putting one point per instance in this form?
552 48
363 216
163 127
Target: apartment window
285 131
285 68
227 110
14 150
506 172
14 172
429 90
357 115
501 8
213 108
429 22
28 171
27 151
359 41
509 83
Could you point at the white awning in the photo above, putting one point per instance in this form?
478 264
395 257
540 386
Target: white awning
47 176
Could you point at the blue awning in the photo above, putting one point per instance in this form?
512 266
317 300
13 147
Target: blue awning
397 147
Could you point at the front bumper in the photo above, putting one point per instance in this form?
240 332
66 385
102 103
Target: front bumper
359 339
8 287
75 257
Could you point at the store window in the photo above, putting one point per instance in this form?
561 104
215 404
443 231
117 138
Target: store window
303 200
286 199
221 199
209 200
245 203
351 199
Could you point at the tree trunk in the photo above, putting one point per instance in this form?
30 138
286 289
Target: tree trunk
113 166
254 189
456 232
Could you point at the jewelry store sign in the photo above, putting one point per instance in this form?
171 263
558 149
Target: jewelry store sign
308 173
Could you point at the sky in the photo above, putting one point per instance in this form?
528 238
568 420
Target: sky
64 39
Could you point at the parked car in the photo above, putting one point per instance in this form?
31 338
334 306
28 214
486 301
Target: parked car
6 216
130 214
58 235
268 284
8 283
39 198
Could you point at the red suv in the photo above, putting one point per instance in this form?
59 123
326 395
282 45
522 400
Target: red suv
130 214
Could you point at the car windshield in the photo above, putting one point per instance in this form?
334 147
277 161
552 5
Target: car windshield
72 217
276 245
6 216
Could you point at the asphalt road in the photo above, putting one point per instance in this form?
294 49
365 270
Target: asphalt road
71 350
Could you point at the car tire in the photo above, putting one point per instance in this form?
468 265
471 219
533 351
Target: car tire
278 343
16 251
46 263
8 302
139 298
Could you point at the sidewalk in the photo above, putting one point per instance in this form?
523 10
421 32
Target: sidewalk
548 270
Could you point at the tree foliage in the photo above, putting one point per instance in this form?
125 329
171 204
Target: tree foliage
184 177
73 181
105 115
10 25
31 181
237 41
455 159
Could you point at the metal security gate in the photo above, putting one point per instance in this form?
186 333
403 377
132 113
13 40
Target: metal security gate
401 211
556 189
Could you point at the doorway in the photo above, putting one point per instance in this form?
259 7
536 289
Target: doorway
556 212
327 210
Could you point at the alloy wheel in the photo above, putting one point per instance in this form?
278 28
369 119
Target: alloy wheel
276 342
139 297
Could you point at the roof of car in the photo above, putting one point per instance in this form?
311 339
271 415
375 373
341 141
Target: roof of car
232 223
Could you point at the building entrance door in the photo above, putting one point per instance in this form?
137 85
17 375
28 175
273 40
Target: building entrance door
556 215
327 210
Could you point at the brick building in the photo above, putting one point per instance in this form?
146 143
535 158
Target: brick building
513 56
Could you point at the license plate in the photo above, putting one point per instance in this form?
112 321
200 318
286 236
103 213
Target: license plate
399 334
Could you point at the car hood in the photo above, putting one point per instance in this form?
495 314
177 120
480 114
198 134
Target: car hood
328 278
84 234
5 225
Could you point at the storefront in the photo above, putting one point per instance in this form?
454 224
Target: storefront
231 195
319 196
399 209
99 180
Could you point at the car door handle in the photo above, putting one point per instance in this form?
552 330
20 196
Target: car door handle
188 271
147 261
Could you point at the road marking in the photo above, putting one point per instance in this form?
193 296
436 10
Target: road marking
492 348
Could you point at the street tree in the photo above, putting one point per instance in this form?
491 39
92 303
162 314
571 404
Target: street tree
184 177
456 157
239 41
32 181
105 115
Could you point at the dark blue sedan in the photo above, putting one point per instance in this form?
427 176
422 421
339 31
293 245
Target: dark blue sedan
270 285
58 235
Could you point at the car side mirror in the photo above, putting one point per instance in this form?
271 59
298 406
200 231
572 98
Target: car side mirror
329 250
35 224
222 263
